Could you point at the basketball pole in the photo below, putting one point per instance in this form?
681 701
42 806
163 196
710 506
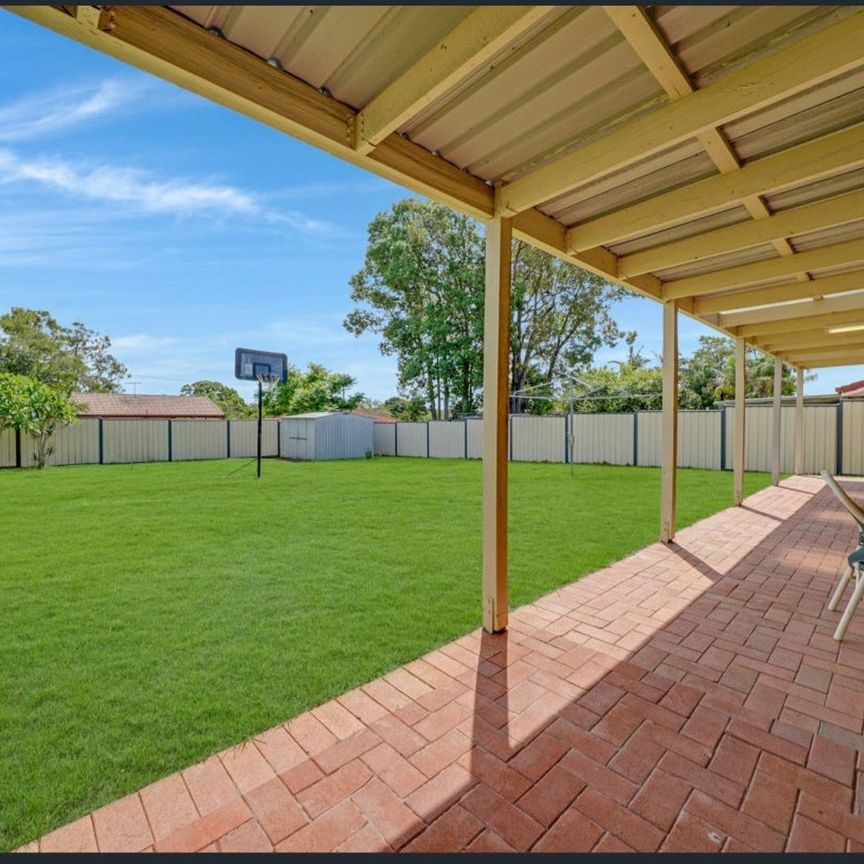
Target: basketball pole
260 409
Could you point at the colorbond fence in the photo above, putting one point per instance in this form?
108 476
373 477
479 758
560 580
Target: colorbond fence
833 439
111 441
705 438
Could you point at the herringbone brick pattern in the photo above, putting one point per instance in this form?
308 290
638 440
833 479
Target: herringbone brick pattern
687 698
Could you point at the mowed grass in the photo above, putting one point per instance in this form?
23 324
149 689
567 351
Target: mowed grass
154 614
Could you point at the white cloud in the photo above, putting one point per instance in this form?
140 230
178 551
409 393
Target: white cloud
125 186
143 192
59 109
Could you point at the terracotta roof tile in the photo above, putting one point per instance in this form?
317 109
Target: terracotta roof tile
140 405
373 415
849 388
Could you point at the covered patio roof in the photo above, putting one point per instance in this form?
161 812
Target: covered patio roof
708 157
711 155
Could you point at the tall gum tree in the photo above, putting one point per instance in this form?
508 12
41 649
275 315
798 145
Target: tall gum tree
421 290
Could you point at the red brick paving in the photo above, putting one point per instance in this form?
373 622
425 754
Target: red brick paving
687 698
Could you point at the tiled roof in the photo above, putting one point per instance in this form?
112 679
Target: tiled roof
139 405
373 415
849 388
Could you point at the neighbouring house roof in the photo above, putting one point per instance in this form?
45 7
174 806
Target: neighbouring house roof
856 388
140 405
373 415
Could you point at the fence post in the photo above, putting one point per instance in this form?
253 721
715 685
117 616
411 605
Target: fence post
428 452
396 438
170 442
510 436
722 437
17 448
839 438
278 439
101 443
566 439
635 438
227 439
465 434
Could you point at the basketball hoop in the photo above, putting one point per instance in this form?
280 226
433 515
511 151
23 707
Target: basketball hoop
268 380
267 368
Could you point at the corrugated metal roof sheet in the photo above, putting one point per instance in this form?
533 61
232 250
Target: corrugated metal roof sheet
570 79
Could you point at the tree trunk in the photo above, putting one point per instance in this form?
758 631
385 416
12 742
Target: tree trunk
430 395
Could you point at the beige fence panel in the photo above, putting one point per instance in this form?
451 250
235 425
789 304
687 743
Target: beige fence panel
699 439
244 438
603 438
384 439
649 438
853 438
820 438
135 440
76 444
7 448
447 439
270 438
475 438
411 439
198 439
537 439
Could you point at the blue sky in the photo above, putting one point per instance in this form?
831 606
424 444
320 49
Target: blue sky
181 229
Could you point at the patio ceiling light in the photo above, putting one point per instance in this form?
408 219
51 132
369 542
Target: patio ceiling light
845 328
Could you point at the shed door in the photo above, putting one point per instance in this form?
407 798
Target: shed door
297 443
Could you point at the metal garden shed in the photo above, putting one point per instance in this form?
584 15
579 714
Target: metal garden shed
325 435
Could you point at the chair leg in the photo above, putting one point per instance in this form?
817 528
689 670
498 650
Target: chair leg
838 591
854 600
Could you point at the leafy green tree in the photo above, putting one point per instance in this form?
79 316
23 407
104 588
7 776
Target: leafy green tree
708 375
560 317
421 289
228 400
317 389
406 408
35 409
68 359
629 387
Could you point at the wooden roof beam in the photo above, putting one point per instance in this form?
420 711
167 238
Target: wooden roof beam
852 360
809 306
466 49
787 223
795 166
718 281
842 357
741 300
762 330
820 340
814 59
640 31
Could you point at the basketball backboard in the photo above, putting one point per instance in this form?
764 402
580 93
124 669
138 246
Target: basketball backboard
250 364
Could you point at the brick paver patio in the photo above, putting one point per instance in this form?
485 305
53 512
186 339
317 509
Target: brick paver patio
689 697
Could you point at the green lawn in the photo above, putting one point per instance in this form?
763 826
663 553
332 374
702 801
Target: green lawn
153 614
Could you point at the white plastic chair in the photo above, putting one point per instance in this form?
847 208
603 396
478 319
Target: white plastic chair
856 561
